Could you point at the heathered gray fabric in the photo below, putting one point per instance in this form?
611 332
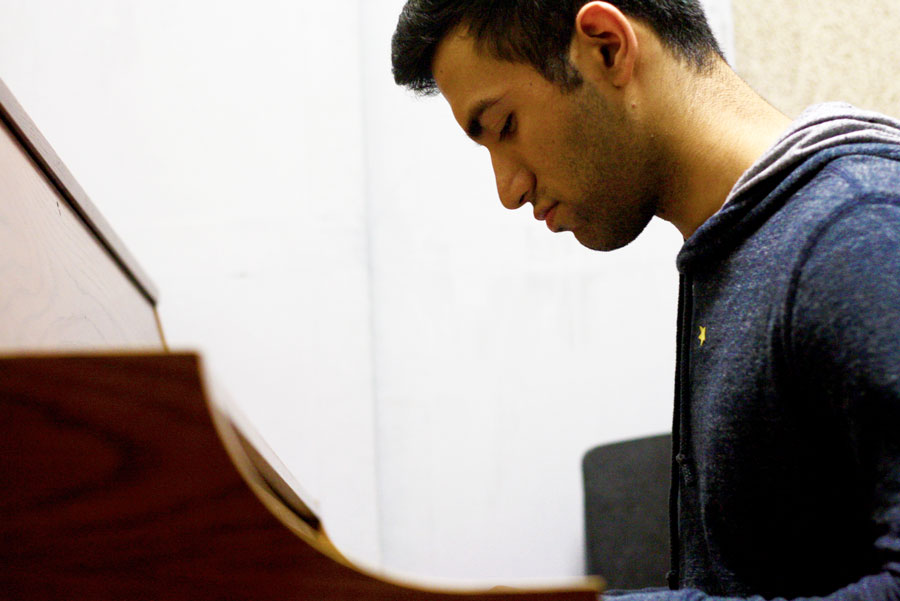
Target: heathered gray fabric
787 420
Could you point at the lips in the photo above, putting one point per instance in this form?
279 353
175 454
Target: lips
546 213
549 218
540 212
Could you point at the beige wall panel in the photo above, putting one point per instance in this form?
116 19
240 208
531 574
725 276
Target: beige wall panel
59 289
805 51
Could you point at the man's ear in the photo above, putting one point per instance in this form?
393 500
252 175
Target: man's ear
604 46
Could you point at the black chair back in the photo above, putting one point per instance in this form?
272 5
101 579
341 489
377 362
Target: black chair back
626 494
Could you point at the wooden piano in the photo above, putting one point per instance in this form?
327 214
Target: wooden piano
122 476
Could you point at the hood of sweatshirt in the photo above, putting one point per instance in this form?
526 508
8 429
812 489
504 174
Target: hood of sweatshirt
818 135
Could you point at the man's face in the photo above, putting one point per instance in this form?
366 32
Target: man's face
580 159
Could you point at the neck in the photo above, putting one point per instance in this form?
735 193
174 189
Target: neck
711 136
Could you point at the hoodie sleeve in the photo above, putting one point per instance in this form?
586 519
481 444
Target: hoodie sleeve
878 587
844 342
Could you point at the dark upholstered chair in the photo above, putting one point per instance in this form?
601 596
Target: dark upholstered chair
626 494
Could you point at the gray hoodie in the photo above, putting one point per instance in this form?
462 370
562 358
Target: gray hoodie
786 470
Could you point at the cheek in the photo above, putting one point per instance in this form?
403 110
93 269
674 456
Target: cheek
557 161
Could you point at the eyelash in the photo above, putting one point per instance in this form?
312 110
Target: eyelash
508 128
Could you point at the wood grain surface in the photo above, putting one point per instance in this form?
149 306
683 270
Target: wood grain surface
116 485
59 287
45 158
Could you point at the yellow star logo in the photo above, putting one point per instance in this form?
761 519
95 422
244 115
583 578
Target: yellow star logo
702 336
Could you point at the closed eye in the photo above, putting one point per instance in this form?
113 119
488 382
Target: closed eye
509 127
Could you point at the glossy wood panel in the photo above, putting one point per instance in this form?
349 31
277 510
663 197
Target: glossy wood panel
59 286
45 158
116 485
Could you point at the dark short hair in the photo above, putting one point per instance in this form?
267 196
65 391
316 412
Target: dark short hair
536 32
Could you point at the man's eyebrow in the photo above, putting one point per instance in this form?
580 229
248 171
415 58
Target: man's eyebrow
473 127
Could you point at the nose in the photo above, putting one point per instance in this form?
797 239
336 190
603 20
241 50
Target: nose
514 181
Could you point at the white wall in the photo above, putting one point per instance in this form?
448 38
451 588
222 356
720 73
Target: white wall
430 365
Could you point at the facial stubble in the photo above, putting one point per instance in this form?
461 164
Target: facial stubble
610 165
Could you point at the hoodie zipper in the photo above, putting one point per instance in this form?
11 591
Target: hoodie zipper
682 382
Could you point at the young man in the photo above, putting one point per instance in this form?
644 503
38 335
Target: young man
786 463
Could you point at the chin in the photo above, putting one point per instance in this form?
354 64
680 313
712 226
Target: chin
607 240
603 244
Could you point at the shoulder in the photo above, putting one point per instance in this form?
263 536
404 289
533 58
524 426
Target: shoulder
845 229
858 239
853 177
851 209
844 295
850 199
